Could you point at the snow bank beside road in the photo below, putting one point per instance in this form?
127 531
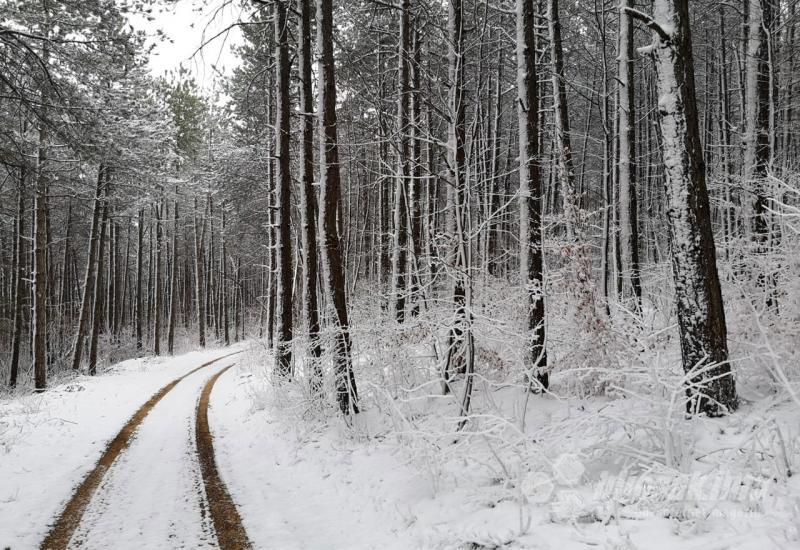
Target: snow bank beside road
308 489
582 474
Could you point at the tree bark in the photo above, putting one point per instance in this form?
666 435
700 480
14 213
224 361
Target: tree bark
139 268
91 270
701 315
725 123
608 177
173 280
415 186
283 245
530 195
19 291
628 211
758 128
308 202
333 269
199 237
97 301
224 285
158 288
400 234
566 167
40 262
456 160
495 225
124 289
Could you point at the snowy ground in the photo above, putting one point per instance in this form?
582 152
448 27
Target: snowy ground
49 442
302 482
595 473
308 487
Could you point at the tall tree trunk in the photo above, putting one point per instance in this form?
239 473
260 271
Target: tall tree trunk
173 279
236 303
159 287
139 272
124 289
758 129
19 288
384 195
40 225
199 237
63 299
40 261
566 168
456 160
308 201
788 139
91 270
271 239
530 194
333 269
224 286
97 302
626 110
495 225
150 264
283 246
608 178
400 235
111 300
725 124
415 186
211 282
701 316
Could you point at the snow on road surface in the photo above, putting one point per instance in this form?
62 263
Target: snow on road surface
153 496
291 494
49 442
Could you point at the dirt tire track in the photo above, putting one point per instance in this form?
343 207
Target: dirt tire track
62 530
231 534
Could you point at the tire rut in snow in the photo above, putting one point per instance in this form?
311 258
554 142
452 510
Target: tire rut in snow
62 530
227 522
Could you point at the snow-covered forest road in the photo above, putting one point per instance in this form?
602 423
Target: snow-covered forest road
148 487
167 453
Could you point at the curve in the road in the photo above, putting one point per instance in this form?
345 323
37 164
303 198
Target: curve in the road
227 522
62 530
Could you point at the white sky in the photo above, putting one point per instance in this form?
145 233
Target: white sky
188 24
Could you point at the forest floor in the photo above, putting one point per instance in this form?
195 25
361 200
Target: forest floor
398 477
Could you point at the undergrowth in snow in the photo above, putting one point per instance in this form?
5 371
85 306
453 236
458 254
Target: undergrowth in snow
606 458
